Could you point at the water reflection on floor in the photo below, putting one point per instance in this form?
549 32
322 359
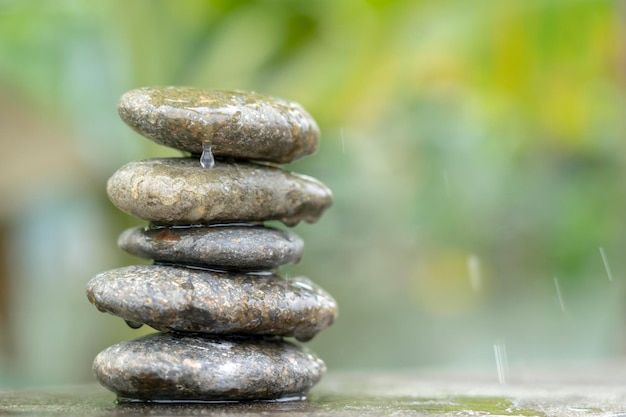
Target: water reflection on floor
339 406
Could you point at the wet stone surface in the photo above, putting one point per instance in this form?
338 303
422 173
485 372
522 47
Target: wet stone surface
573 390
236 124
224 247
166 366
170 298
178 191
215 273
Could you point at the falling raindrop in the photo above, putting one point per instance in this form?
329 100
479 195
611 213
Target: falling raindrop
606 264
558 294
502 362
206 159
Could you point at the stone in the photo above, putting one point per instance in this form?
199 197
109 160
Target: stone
171 298
236 124
214 291
177 191
248 248
179 367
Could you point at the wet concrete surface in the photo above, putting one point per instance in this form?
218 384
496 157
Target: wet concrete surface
592 391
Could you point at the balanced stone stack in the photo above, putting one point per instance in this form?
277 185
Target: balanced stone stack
214 293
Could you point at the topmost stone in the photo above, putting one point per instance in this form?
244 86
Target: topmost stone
235 124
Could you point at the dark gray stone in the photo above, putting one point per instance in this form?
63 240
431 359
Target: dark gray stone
171 298
227 247
177 191
166 366
236 124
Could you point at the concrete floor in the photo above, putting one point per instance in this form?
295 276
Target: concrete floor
585 391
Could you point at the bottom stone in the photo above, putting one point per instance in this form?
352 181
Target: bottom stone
175 367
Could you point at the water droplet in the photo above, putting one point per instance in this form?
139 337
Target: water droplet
206 159
558 294
606 264
260 273
502 362
133 324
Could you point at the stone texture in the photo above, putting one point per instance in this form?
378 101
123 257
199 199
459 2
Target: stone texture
189 367
171 298
178 191
236 124
226 247
213 290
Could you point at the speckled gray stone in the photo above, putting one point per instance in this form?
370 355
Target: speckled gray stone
175 191
236 124
171 367
171 298
225 247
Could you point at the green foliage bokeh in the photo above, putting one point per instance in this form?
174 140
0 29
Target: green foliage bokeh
462 140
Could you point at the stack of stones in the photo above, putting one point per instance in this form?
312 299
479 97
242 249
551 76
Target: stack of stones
213 292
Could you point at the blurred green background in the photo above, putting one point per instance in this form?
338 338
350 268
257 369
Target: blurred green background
475 149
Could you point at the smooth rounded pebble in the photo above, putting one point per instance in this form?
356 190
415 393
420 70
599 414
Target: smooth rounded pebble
171 298
178 191
236 124
174 367
249 248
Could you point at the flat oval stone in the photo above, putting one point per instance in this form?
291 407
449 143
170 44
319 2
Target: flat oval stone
236 124
175 191
174 367
250 248
171 298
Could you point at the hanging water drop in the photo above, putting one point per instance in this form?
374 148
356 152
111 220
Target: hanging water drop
206 159
133 324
